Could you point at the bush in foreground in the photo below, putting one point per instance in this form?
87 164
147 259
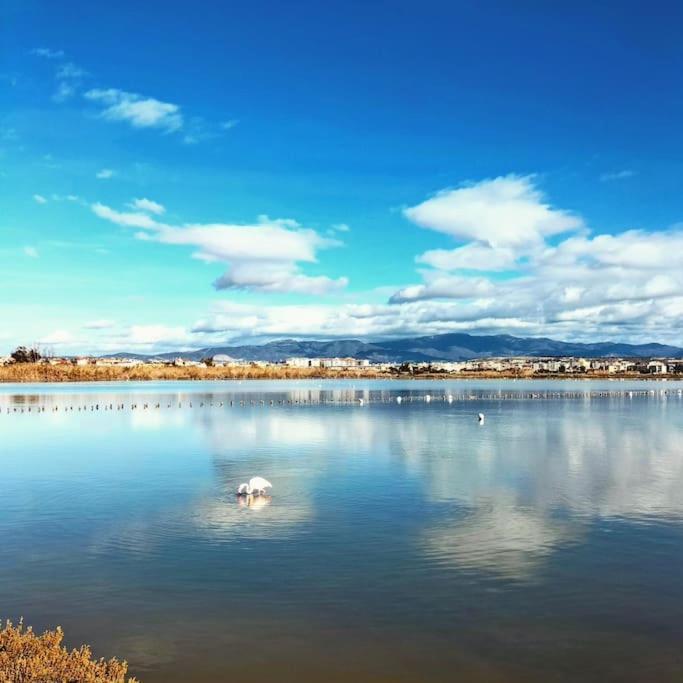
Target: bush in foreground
29 658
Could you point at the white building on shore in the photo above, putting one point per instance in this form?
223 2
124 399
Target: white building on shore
334 363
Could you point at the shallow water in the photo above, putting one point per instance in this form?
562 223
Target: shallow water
401 542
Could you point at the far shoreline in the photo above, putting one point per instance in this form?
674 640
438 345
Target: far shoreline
26 373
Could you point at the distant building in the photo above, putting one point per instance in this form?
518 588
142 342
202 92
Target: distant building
335 363
222 360
657 367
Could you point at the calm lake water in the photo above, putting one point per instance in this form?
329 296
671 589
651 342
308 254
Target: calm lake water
401 542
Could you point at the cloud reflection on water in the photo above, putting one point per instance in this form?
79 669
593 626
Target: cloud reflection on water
530 481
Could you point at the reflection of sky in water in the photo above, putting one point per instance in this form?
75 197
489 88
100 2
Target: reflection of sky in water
387 524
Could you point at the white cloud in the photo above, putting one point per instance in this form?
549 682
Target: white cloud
128 220
262 256
229 125
276 278
627 285
472 256
31 251
105 174
580 286
341 227
507 211
39 199
147 205
137 110
448 286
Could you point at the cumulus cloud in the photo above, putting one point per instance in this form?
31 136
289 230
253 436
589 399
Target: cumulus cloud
448 286
137 110
503 212
264 256
276 278
471 256
579 286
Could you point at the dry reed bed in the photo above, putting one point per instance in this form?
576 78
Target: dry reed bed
26 657
38 372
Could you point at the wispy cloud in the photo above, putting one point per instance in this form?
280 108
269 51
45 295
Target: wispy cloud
47 53
8 135
31 251
39 199
137 110
105 174
617 175
57 338
98 325
147 205
69 78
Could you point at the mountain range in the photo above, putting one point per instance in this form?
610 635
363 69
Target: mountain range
440 347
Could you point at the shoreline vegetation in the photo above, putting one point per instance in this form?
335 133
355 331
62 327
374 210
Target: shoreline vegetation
40 372
26 657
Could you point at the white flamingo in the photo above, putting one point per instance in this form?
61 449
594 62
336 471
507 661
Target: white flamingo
256 485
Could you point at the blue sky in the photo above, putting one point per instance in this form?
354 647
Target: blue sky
174 175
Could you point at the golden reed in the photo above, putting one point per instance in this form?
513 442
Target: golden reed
26 657
40 372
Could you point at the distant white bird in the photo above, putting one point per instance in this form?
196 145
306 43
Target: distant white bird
480 417
428 398
450 398
398 399
361 402
256 485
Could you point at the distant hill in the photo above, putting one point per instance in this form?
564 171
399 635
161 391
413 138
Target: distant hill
452 346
